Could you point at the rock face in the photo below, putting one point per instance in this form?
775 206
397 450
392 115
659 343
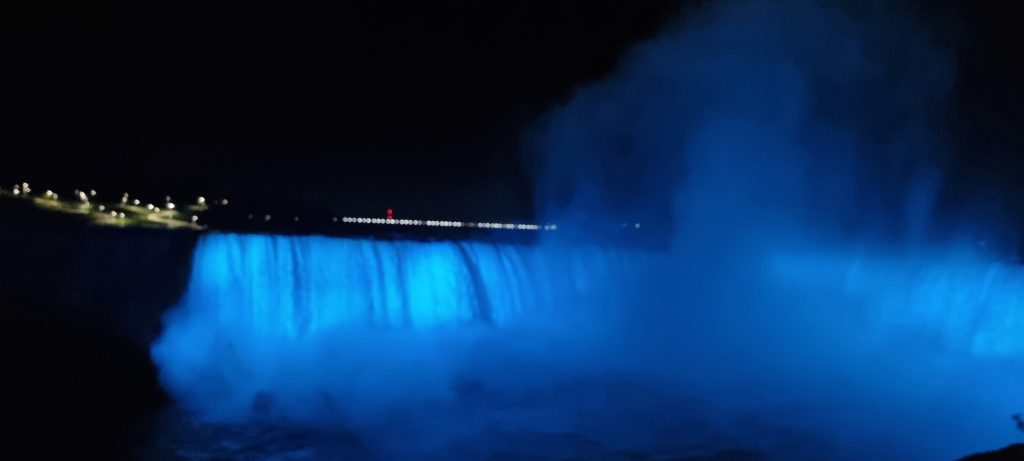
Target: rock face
1013 452
79 307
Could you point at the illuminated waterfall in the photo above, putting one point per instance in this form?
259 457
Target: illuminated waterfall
329 330
296 286
970 304
306 316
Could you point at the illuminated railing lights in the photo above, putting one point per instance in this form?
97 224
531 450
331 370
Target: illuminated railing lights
443 223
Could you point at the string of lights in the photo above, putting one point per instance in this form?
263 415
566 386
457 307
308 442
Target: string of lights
151 211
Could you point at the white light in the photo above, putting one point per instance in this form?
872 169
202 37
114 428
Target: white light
334 219
195 218
167 198
16 191
120 215
113 213
249 217
266 217
92 193
170 206
295 218
48 192
101 208
201 200
224 201
554 227
136 202
156 209
637 225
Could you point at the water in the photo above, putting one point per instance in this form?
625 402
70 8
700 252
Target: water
298 287
823 295
290 347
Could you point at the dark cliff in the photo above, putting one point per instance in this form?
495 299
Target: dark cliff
79 307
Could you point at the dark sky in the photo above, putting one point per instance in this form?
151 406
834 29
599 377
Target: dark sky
415 105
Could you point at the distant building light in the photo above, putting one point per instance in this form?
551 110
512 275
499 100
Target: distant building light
101 208
167 198
120 215
195 219
92 192
156 209
201 200
249 217
637 225
136 202
224 201
113 213
266 217
334 219
149 206
16 191
170 206
295 218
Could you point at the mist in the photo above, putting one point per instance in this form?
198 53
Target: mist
817 295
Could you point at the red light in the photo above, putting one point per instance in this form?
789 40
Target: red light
389 213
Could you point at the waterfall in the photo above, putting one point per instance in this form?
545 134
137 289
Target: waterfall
452 336
296 286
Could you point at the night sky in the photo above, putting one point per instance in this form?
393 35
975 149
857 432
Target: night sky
419 106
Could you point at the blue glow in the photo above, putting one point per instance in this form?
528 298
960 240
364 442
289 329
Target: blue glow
297 287
813 301
969 303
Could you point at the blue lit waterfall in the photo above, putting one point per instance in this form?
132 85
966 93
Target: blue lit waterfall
295 286
307 328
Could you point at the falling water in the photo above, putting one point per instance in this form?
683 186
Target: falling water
810 303
295 287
